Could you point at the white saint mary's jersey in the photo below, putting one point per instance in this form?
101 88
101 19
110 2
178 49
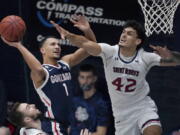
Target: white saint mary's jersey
126 78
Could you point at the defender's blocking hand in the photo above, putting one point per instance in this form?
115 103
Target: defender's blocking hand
60 29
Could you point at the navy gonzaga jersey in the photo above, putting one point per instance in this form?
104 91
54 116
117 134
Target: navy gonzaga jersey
47 129
46 126
56 91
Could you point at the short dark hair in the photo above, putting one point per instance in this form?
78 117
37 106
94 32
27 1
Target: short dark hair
139 29
16 117
45 39
87 68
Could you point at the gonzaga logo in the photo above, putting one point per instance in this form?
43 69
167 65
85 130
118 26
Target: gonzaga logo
58 11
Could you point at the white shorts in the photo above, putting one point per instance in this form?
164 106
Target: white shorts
134 119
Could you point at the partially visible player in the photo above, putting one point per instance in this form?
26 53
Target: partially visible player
32 120
52 80
126 65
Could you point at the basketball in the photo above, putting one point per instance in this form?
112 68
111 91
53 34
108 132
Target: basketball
12 28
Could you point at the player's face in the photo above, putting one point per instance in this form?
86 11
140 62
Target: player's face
86 79
29 110
51 48
129 38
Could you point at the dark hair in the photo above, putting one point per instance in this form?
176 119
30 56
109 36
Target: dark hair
139 29
87 68
16 117
45 39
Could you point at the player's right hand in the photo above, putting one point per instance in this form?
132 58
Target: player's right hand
81 22
60 29
14 44
164 52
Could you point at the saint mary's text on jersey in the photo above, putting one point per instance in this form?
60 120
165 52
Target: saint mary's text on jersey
126 71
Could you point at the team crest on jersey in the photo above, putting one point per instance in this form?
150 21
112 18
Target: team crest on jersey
81 114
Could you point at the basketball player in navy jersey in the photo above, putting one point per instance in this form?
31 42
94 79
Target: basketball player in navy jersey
126 65
31 119
52 80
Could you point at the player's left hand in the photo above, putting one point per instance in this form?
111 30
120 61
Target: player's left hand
85 132
60 29
164 52
81 22
14 44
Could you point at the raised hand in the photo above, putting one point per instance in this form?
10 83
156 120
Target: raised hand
14 44
164 52
61 30
81 22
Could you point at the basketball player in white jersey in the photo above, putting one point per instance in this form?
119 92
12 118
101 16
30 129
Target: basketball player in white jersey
126 65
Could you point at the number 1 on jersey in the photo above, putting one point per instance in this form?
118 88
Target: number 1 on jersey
65 87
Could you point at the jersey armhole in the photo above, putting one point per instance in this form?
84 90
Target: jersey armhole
45 81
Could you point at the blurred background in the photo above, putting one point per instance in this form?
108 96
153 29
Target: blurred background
106 19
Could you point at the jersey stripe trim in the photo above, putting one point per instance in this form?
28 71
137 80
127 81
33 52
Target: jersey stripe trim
57 67
46 80
49 112
49 104
150 121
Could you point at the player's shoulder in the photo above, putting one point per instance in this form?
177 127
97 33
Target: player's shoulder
146 54
101 104
78 100
107 45
99 98
108 50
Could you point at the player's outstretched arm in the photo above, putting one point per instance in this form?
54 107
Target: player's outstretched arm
82 24
80 41
32 62
168 58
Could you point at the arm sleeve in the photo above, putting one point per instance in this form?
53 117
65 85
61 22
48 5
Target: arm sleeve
105 49
151 59
107 52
